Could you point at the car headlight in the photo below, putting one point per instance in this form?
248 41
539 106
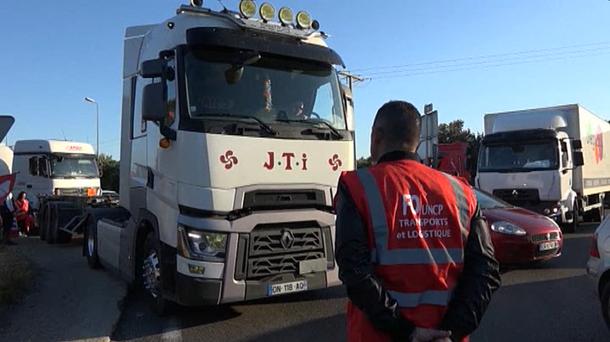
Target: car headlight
202 245
508 228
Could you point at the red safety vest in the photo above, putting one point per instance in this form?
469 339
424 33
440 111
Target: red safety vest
418 220
21 209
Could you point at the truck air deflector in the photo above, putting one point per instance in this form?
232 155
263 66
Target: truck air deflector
520 136
263 43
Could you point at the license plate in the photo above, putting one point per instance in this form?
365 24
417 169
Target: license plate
283 288
545 246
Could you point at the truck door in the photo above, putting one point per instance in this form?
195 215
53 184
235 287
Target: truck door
138 175
32 177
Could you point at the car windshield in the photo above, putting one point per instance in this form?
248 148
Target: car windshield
516 156
489 202
73 166
271 89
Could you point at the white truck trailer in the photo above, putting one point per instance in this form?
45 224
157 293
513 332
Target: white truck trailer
234 132
61 179
550 160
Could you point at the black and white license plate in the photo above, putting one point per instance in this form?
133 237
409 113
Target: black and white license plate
545 246
283 288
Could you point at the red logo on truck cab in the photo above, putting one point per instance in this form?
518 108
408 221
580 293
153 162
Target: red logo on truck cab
287 159
229 159
74 148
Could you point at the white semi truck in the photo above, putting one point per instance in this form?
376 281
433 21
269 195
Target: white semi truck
551 160
61 179
235 129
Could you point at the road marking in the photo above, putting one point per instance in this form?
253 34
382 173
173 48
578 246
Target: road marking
172 331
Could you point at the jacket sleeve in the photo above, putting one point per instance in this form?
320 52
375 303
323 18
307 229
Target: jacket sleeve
479 279
356 272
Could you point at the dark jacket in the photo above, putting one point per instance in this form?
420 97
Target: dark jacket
479 279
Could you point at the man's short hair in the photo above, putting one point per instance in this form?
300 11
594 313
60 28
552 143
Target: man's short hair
400 122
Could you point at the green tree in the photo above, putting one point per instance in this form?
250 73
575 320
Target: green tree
110 172
364 162
454 132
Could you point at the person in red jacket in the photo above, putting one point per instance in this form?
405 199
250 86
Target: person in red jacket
22 213
413 250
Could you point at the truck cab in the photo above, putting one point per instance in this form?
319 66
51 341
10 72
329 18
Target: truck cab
55 168
234 132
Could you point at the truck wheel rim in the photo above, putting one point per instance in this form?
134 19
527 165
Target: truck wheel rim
90 244
151 274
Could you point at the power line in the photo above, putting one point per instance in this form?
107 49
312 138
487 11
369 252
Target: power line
577 53
444 61
431 71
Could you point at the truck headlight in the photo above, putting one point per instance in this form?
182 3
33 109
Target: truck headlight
201 245
508 228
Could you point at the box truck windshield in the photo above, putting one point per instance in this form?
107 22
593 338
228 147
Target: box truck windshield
73 166
271 89
519 157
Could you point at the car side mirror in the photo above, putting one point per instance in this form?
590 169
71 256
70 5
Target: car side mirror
152 68
578 159
153 102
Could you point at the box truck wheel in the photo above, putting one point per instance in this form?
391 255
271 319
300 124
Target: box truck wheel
43 220
571 227
150 275
91 243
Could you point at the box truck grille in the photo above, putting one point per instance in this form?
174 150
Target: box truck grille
279 250
518 197
545 237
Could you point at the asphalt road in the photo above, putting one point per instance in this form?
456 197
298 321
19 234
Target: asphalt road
554 301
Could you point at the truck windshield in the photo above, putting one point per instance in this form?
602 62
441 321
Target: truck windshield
519 156
73 166
273 89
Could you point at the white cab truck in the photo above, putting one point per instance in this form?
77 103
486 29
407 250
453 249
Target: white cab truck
60 178
550 160
234 132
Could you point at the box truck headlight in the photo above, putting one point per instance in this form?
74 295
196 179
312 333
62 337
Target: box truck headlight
202 245
508 228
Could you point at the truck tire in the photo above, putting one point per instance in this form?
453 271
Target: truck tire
90 242
605 301
43 216
150 275
51 226
571 227
54 235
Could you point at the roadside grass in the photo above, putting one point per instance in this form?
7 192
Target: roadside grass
15 275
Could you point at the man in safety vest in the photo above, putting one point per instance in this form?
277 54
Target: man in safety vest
413 250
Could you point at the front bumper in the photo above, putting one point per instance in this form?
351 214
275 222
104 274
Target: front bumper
521 249
218 283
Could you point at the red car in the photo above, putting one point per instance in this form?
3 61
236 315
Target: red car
519 235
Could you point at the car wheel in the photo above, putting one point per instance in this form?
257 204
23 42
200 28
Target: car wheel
150 275
605 298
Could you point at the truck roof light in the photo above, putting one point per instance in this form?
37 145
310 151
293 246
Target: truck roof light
196 3
315 25
267 12
303 20
247 8
286 16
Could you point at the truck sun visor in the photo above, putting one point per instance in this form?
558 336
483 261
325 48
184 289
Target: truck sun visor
265 43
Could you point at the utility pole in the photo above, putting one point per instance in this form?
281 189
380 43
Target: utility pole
97 125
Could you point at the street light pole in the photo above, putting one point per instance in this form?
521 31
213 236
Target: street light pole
97 125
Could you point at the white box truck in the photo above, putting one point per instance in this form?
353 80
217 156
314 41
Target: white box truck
61 179
234 132
550 160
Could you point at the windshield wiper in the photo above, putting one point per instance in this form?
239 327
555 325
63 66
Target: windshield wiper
260 122
335 132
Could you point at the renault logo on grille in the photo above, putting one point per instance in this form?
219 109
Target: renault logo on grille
287 239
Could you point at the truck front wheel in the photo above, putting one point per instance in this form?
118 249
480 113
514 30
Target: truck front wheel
571 227
150 275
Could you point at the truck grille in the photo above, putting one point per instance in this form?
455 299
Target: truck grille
518 197
270 251
545 237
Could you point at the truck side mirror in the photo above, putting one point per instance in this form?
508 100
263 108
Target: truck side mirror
348 104
577 144
152 68
578 159
153 102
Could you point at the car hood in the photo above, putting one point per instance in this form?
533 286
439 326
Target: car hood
531 222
